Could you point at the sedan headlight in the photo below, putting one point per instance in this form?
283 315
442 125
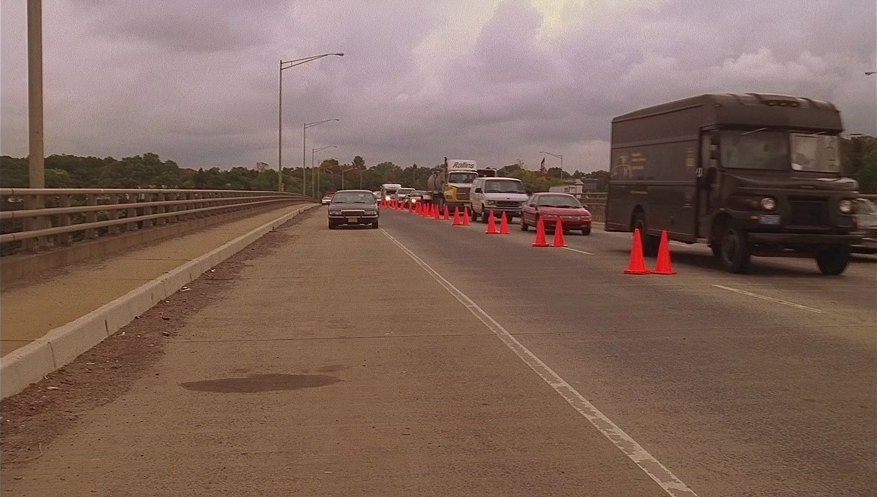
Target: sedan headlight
845 206
334 213
768 203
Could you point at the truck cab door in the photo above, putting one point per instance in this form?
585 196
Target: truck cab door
707 181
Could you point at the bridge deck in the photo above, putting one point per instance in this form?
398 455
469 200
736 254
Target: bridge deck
33 306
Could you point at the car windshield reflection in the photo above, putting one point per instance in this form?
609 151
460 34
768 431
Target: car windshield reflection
559 201
358 198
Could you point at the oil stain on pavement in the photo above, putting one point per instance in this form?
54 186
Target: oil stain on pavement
256 383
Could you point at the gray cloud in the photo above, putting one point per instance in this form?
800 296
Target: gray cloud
196 81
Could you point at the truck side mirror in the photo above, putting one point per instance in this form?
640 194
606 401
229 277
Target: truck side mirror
478 190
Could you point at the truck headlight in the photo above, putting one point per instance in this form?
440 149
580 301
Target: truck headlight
845 206
768 203
490 202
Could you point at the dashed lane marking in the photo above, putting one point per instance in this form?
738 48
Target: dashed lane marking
579 251
627 445
770 299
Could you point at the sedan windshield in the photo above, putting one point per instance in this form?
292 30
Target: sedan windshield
558 201
353 198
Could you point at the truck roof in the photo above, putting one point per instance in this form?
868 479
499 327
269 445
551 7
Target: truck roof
744 109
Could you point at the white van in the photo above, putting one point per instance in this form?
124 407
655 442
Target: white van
497 195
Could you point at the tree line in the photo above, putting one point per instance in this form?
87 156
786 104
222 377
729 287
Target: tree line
858 159
150 171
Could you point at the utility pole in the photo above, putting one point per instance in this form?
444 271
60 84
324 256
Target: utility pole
36 157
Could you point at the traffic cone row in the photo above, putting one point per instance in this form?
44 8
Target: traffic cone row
559 239
638 262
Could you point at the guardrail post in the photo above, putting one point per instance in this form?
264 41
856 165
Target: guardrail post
91 217
130 211
160 209
65 220
113 214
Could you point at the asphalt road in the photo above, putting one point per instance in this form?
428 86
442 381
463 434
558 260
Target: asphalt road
426 359
755 384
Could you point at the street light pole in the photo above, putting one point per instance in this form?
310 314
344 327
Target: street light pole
559 156
313 152
304 141
286 64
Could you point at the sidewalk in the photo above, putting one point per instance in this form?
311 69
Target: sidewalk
33 308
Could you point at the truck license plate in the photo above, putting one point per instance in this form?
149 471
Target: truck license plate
770 219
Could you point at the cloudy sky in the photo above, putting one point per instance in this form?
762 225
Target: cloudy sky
196 81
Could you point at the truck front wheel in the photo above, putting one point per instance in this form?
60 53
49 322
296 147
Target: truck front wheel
834 260
735 251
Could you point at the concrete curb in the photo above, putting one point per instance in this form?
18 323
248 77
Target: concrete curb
29 364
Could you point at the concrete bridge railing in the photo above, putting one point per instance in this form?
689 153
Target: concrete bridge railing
50 227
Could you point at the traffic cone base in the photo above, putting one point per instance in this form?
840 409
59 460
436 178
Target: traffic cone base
504 225
559 239
457 220
540 234
664 265
491 225
637 261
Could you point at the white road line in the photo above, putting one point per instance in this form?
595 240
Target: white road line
770 299
646 462
579 251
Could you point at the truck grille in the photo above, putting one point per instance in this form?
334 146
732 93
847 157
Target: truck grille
507 203
809 212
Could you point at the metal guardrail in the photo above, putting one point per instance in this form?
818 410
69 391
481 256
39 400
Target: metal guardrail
38 218
595 202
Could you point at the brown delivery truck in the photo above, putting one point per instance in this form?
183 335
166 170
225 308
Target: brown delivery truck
748 174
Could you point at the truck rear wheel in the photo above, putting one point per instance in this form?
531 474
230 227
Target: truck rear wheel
650 242
735 252
833 261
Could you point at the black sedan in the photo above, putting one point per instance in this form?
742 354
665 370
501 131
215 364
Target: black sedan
353 208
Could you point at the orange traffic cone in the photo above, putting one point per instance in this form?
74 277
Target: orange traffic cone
540 234
466 219
559 240
447 213
457 220
504 225
664 265
637 261
491 225
437 214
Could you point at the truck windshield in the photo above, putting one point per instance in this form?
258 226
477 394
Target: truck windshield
813 152
755 149
461 177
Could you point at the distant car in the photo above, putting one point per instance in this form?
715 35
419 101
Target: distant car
401 194
551 206
866 221
414 198
353 208
327 198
